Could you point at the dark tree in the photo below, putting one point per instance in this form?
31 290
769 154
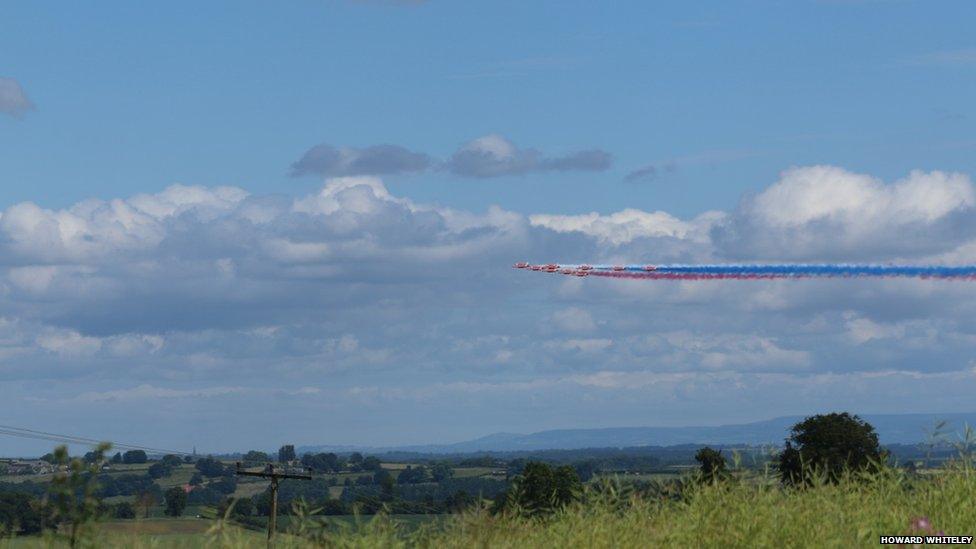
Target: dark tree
540 489
255 456
134 456
210 467
459 501
175 501
117 458
322 463
159 470
242 507
381 477
286 453
412 475
124 510
171 461
225 485
371 463
829 445
711 464
441 472
19 513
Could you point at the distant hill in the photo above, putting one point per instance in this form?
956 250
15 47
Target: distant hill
891 428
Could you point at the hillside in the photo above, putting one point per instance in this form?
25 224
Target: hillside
891 428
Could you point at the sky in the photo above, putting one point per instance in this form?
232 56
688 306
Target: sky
240 225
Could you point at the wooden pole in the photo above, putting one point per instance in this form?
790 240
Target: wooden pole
273 519
270 473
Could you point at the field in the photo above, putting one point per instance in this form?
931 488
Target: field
751 510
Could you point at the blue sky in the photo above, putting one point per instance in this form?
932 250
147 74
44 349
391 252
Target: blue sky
311 209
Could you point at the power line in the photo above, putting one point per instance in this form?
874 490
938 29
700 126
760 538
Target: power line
22 432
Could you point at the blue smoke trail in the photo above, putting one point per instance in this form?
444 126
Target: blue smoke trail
758 271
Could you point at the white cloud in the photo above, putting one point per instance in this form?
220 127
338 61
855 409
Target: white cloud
627 225
352 287
828 213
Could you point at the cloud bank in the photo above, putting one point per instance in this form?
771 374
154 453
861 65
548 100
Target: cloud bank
385 315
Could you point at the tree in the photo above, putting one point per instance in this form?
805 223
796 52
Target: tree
372 463
829 445
540 489
159 470
323 463
20 514
441 472
175 501
135 456
124 510
210 467
242 507
225 485
117 458
412 475
172 461
711 464
286 453
382 476
255 456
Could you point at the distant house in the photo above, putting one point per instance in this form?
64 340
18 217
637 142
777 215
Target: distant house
27 467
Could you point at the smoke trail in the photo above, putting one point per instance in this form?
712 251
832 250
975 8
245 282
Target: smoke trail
759 271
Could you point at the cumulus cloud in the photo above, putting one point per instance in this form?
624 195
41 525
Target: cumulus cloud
13 99
627 225
378 302
495 156
828 213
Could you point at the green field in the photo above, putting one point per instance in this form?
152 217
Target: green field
751 510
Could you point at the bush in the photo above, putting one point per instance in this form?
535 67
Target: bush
159 470
124 510
134 456
21 514
210 467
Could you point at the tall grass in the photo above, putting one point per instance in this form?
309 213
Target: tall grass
750 510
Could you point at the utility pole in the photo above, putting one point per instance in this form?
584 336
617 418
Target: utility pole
270 473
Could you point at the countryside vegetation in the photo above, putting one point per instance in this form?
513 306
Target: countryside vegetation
831 484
